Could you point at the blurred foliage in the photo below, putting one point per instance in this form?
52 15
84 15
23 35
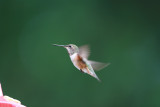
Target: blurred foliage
126 34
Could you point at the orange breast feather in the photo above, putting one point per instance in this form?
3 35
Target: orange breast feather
80 63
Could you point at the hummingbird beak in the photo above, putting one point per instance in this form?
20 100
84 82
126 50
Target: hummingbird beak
59 45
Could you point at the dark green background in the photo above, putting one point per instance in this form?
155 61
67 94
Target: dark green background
126 34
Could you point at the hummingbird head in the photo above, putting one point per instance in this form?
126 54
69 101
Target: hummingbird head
71 48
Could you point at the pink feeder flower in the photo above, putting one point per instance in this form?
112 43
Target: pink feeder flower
6 101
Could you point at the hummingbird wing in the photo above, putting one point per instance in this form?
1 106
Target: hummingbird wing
98 65
84 51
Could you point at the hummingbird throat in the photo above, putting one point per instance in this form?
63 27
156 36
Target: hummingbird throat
71 50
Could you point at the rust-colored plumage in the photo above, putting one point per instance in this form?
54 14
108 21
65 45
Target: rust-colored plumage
79 62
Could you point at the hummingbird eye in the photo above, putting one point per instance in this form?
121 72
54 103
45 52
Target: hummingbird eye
70 46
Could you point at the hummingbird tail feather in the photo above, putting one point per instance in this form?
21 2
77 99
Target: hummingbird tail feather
97 78
92 73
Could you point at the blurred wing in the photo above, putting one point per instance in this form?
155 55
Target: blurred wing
84 51
98 65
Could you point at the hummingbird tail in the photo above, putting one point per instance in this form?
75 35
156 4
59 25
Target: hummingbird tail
97 77
92 73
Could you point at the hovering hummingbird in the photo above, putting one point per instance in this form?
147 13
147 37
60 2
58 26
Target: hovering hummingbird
79 58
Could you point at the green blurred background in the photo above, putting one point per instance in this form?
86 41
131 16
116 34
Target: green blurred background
126 34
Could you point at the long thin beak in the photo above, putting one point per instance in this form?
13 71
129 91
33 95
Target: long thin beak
59 45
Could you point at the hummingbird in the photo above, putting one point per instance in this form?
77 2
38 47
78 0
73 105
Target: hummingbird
79 57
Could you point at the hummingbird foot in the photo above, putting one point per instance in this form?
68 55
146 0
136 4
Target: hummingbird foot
81 70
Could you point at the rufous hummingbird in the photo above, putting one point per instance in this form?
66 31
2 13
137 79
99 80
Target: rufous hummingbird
79 58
